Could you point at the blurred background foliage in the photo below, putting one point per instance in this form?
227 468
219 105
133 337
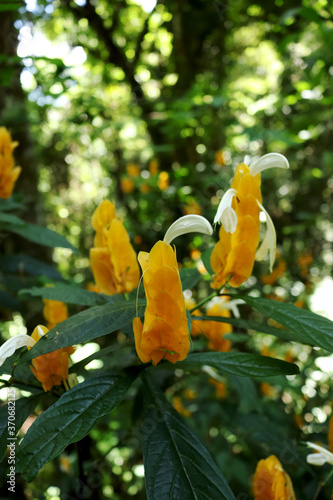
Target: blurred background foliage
153 104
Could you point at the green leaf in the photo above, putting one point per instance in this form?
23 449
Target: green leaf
69 420
205 256
177 465
306 326
239 363
236 337
247 324
23 264
23 408
10 203
189 278
6 300
11 219
40 235
67 293
247 392
86 325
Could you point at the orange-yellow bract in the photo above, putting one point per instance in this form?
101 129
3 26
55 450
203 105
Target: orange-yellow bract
164 334
233 256
113 259
215 331
54 312
8 172
52 368
271 482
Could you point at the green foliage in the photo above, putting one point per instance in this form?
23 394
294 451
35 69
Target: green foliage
69 420
176 462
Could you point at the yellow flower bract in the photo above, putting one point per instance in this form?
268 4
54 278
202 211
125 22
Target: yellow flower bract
271 482
54 312
164 334
52 368
8 172
113 259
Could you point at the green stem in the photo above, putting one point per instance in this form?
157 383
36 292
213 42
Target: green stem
207 299
126 296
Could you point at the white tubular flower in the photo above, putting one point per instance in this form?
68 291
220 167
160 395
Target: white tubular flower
11 345
269 241
225 214
187 224
271 160
224 303
323 456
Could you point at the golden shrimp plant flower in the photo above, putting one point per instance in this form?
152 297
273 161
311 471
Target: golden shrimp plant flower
238 247
164 333
8 172
50 369
113 259
271 482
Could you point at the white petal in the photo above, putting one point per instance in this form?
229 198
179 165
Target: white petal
11 345
316 459
225 214
269 241
271 160
40 331
187 224
322 451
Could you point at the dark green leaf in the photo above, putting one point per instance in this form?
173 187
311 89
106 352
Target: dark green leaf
189 278
86 325
177 465
23 264
247 324
205 256
69 294
69 420
7 300
10 203
306 326
239 363
11 219
248 395
236 337
23 408
40 235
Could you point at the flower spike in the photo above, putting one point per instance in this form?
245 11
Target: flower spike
187 224
10 346
225 214
271 160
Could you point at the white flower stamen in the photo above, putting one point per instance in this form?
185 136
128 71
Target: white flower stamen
10 346
269 242
187 224
225 214
271 160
